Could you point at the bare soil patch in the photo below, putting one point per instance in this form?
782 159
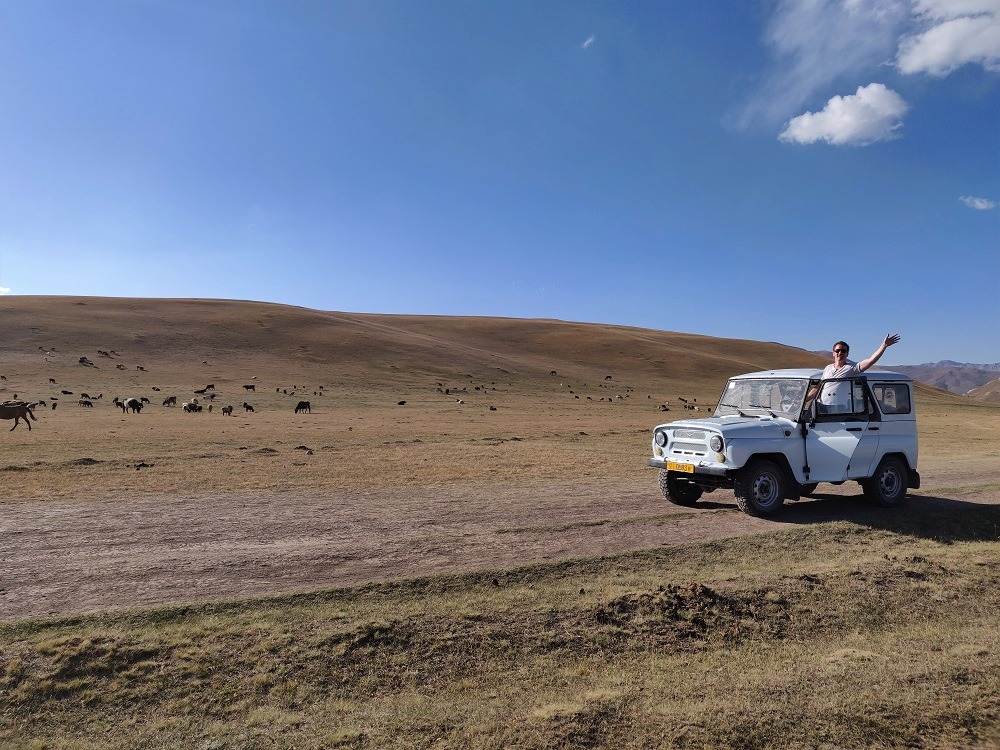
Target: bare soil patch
71 557
516 442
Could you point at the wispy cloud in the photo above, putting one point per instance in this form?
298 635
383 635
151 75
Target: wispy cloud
950 34
815 43
980 204
590 40
4 290
874 113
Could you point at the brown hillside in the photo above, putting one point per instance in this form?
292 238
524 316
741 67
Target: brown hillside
181 342
989 392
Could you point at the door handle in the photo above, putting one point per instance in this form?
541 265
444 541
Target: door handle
873 429
854 429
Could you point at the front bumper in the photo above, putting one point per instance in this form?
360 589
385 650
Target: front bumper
701 468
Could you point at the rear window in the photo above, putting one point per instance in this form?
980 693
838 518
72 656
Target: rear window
893 398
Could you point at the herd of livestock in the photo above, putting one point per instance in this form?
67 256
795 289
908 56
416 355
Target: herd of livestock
18 409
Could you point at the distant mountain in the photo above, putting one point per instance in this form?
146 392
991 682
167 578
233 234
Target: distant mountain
958 377
965 378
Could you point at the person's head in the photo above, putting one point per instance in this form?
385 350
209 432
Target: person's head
840 352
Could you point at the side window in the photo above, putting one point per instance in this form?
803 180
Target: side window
893 398
845 398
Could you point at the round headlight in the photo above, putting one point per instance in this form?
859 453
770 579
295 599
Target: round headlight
660 438
716 443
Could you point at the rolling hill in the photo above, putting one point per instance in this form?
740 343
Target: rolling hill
180 340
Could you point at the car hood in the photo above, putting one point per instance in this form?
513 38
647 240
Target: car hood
735 426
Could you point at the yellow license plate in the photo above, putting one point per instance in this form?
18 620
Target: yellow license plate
686 468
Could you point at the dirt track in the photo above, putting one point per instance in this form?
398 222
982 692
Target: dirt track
62 558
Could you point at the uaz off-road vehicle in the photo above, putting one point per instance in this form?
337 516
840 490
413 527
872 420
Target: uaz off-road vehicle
775 435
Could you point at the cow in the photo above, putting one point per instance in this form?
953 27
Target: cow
303 406
227 411
247 406
17 410
250 388
131 404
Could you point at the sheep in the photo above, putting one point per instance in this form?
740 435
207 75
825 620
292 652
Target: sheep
85 402
250 387
303 406
247 407
227 411
170 401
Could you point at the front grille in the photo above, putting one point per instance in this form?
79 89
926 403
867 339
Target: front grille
688 448
689 434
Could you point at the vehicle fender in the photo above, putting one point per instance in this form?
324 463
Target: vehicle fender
781 460
786 452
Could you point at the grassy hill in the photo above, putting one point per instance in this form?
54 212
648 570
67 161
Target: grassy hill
187 341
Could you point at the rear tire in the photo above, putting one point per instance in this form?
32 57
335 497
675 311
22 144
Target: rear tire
760 488
678 491
887 487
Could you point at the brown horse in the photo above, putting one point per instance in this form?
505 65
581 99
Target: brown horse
17 410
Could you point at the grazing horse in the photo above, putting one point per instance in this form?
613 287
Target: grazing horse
17 410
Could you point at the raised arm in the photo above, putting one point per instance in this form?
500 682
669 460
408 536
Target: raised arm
891 339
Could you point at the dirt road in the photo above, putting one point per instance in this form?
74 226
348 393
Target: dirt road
63 558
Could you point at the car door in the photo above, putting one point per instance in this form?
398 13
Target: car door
839 442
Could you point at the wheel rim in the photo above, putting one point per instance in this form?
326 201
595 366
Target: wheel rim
765 489
889 482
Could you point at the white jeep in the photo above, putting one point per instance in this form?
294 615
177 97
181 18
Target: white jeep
776 434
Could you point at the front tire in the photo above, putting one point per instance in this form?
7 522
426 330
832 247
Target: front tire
760 488
678 491
887 487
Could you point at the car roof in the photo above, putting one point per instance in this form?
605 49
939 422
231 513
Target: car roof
809 373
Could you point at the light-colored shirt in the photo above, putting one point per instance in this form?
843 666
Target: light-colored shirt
838 394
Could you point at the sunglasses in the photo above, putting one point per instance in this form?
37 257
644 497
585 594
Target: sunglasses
840 351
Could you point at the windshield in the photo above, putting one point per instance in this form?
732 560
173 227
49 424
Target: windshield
776 397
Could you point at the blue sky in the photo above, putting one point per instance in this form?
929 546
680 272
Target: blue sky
798 172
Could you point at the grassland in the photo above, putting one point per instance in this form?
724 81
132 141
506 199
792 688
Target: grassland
837 636
832 628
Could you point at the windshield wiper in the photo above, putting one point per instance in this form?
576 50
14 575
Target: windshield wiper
765 408
734 406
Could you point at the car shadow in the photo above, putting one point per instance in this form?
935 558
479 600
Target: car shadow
942 519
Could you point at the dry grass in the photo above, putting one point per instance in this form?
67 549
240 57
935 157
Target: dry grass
835 635
838 636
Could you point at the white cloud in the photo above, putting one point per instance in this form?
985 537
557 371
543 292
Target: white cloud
980 204
4 290
874 113
954 33
590 40
815 43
